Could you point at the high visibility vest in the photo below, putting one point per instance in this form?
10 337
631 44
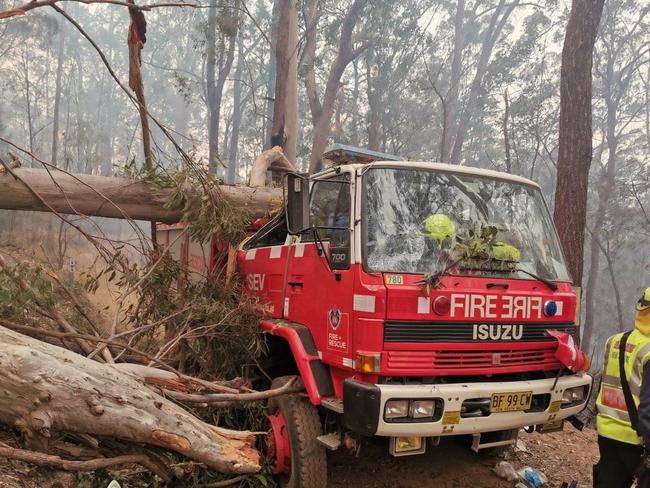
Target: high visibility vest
613 420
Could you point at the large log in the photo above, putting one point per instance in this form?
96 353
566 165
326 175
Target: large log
45 388
103 196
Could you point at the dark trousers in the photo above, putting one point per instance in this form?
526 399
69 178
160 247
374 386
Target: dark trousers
617 465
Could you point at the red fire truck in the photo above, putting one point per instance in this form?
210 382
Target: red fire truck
391 336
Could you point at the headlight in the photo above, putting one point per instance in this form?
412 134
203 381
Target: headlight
396 409
420 409
575 395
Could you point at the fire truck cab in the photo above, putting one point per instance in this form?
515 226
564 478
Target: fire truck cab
390 333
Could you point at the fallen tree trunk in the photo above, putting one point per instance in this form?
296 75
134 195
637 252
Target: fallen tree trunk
45 388
103 196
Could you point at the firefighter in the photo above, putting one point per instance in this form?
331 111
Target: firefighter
623 404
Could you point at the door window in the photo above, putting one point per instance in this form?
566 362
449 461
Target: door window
330 210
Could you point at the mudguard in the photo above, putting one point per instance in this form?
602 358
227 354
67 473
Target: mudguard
314 373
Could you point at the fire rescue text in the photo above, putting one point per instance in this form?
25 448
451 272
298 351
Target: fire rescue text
495 306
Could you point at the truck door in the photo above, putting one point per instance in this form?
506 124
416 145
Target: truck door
263 264
316 295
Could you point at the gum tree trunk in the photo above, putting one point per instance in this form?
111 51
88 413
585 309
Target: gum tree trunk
45 388
103 196
574 158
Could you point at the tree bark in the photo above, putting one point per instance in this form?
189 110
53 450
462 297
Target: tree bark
492 35
291 103
574 157
450 102
506 133
28 101
374 104
322 112
103 196
264 161
135 42
48 388
210 88
284 132
606 186
270 80
233 153
615 71
215 85
57 95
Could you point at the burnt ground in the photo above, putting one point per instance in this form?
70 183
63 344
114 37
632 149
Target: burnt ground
561 456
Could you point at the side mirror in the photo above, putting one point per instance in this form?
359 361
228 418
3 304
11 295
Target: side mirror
297 203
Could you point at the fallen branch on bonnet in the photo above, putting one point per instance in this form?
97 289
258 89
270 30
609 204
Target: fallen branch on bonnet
45 389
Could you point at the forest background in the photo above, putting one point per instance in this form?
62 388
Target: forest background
469 82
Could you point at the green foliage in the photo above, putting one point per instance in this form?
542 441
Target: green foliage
19 306
477 243
219 326
478 249
197 193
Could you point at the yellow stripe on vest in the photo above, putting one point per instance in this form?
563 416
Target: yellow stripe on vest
613 420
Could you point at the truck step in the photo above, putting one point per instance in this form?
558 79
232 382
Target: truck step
333 403
477 446
330 441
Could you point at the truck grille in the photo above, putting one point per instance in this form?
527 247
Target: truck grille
403 331
497 361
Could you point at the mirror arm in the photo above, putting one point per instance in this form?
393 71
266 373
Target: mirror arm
321 247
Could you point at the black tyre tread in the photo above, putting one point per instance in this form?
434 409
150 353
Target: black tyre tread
308 457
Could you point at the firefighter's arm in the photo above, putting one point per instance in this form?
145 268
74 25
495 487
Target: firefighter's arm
644 406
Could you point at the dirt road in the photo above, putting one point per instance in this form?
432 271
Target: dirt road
562 456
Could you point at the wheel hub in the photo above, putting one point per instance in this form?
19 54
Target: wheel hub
278 444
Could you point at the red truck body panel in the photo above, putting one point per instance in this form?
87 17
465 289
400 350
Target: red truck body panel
350 310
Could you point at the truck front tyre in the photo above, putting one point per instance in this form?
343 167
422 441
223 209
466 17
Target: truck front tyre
295 426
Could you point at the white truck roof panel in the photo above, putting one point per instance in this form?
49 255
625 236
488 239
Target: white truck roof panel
447 168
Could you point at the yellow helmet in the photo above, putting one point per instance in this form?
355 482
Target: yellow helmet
644 301
440 227
506 252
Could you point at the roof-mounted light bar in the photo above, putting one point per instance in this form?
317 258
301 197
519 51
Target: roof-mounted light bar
342 154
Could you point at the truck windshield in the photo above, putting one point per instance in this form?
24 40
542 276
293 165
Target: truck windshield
416 219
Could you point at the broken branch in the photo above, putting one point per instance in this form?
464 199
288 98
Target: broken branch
42 459
5 14
221 398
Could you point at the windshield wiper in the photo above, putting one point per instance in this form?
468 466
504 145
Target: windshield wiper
551 284
434 278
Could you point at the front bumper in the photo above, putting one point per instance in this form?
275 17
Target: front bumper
364 403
